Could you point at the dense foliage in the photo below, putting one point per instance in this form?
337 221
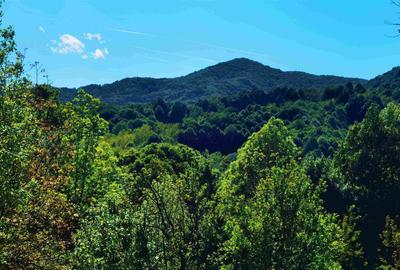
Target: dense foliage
319 119
285 179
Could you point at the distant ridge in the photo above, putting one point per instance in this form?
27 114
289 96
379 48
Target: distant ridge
225 78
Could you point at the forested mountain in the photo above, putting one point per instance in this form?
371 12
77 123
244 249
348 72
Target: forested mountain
222 79
285 179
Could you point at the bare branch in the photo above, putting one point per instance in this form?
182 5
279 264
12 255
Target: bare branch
395 2
392 36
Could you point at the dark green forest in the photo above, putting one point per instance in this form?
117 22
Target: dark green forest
226 78
282 178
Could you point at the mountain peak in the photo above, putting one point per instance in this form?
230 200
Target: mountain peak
244 63
235 68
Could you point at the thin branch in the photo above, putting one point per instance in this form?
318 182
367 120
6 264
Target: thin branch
391 23
392 36
396 3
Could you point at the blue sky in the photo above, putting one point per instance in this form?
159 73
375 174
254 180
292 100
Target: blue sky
99 41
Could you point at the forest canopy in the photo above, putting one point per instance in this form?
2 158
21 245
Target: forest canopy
280 179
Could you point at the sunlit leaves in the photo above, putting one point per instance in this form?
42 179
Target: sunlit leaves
273 216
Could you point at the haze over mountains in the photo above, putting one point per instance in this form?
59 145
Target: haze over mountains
221 79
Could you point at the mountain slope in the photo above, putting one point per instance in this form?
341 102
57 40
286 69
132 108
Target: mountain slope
391 77
222 79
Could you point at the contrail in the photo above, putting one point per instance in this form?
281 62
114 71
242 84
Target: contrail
188 41
224 48
130 32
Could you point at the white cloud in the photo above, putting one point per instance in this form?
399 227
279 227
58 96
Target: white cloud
91 36
99 54
68 44
41 29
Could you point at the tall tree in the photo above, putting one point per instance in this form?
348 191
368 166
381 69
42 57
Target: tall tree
273 216
17 121
368 160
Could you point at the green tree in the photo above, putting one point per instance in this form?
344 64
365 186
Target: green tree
389 255
170 189
17 122
83 128
108 237
273 215
368 161
177 113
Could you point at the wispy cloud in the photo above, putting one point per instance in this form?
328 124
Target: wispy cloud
68 44
91 36
130 32
41 29
99 53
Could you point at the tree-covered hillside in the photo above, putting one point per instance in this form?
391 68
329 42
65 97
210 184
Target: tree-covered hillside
390 78
286 179
222 79
318 118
